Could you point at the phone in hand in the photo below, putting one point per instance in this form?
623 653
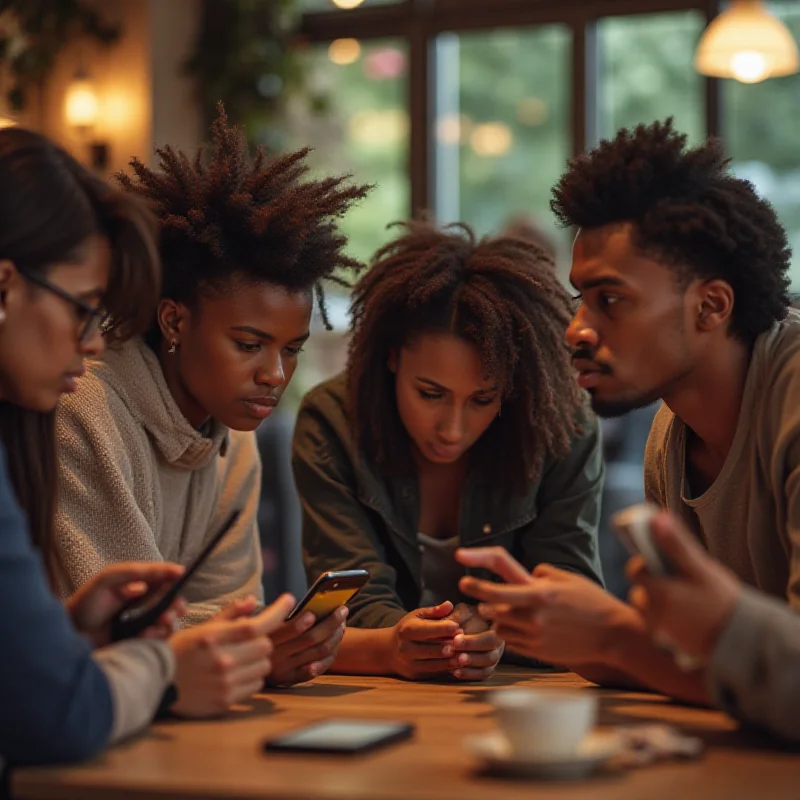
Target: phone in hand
341 736
142 612
633 525
330 590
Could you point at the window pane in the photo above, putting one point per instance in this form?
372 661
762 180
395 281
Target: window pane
356 121
502 125
646 72
760 123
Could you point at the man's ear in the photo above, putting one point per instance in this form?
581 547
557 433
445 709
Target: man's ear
715 303
172 320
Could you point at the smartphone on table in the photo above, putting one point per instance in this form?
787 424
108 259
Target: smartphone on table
341 736
329 591
142 612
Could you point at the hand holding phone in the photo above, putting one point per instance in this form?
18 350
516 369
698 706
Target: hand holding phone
143 612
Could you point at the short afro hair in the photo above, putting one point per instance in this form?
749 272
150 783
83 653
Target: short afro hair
232 217
688 210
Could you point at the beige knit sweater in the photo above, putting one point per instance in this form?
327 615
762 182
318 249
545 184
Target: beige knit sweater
138 483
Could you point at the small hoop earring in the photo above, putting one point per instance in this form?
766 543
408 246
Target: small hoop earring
172 347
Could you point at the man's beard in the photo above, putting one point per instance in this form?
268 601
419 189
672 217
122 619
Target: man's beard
621 406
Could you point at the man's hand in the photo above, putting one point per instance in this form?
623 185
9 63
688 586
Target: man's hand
687 610
94 605
225 660
422 643
551 614
478 649
305 648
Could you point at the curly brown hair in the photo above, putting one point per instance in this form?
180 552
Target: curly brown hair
240 218
500 294
688 210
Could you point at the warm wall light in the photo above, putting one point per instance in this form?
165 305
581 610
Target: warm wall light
81 106
344 51
7 122
747 43
347 3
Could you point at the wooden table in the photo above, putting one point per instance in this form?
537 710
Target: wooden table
223 758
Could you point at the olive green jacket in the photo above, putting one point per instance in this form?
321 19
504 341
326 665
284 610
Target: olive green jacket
355 518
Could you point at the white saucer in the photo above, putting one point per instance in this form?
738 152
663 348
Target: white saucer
494 751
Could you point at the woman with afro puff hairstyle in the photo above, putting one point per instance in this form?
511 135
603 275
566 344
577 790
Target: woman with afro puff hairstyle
157 445
457 423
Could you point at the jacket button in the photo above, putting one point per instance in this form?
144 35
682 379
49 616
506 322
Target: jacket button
487 529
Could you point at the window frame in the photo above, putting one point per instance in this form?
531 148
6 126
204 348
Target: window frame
419 22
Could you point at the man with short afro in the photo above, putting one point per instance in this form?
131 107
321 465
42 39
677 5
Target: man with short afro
682 275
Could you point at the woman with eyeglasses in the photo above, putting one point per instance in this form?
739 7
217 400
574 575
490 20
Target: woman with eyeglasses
76 256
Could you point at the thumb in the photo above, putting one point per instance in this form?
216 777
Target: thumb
436 612
273 616
679 546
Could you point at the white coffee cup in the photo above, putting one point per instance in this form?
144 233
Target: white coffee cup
545 724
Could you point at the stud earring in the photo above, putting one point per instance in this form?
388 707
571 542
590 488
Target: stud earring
172 347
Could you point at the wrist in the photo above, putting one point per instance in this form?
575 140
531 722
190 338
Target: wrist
624 632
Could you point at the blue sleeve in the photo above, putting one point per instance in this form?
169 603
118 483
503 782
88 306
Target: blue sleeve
55 702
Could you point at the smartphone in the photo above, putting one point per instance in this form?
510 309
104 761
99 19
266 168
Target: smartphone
144 611
331 590
341 736
633 527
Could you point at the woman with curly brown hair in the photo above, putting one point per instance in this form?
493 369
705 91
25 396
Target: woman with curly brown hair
157 444
457 423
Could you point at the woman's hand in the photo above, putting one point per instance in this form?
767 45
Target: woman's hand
95 604
422 643
225 660
478 649
687 610
305 648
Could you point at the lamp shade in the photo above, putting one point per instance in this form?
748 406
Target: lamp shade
747 43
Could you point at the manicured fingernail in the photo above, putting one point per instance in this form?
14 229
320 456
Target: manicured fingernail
342 614
315 670
459 640
463 659
308 619
458 673
447 650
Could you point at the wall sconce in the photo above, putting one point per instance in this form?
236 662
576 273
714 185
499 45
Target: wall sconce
82 111
747 43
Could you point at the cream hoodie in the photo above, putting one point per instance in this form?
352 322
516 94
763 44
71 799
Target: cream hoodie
138 483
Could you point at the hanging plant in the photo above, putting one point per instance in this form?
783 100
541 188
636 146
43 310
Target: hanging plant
33 32
247 56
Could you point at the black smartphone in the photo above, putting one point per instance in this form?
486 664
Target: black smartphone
341 736
144 611
331 590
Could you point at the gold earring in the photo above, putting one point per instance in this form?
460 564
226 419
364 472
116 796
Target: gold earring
172 347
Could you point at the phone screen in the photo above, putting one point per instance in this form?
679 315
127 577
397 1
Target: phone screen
331 590
341 736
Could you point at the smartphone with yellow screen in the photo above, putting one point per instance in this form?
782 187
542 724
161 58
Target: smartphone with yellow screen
331 590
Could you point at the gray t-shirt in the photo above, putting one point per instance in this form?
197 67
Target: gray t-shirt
440 570
749 518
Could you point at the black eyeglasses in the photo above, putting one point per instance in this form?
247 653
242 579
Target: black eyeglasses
91 318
